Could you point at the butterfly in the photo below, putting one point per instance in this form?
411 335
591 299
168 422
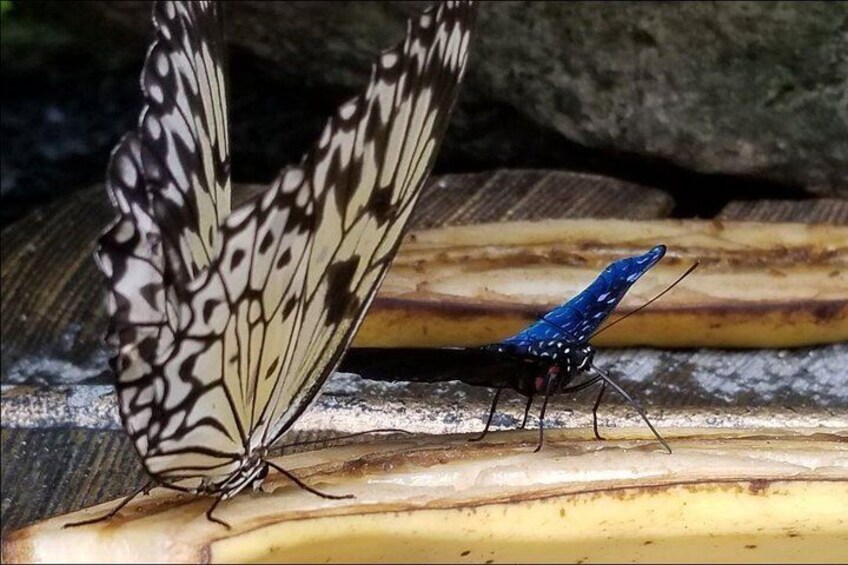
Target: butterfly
227 321
544 359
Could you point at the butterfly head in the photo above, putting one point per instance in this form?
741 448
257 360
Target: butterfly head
559 361
577 358
567 360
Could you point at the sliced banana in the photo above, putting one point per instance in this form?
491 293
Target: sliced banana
741 496
758 285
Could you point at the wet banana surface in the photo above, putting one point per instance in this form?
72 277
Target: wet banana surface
758 495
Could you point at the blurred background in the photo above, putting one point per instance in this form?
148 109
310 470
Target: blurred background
710 102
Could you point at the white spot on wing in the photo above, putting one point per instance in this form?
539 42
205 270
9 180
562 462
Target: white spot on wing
389 60
348 110
292 180
162 65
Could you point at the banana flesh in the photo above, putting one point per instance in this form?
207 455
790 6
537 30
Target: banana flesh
758 285
722 496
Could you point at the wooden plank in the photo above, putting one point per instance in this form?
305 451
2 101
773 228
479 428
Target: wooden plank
822 211
504 195
53 471
52 299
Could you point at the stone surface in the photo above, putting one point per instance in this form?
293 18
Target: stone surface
741 88
685 381
756 89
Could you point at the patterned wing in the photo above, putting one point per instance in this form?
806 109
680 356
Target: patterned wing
142 308
366 175
248 340
169 181
576 320
184 130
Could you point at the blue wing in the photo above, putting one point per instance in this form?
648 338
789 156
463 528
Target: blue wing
575 321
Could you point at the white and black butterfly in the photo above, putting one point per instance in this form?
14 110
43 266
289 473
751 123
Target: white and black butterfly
227 323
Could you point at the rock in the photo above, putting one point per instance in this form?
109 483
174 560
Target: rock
747 89
742 88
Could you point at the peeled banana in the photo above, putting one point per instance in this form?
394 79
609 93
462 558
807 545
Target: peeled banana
723 495
758 284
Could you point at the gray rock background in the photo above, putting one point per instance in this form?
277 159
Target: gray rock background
746 88
743 88
710 101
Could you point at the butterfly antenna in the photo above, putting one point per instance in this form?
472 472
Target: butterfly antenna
630 400
651 301
290 476
345 436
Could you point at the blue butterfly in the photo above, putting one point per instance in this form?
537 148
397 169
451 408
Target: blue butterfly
541 360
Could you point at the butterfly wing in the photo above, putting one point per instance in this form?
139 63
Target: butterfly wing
366 174
130 256
576 320
169 181
239 347
184 133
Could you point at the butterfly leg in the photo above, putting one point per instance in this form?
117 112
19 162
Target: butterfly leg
305 486
145 488
630 400
548 390
586 384
527 411
542 425
212 518
491 414
595 411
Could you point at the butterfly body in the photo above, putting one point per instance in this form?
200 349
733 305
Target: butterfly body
251 472
551 366
557 343
559 340
543 359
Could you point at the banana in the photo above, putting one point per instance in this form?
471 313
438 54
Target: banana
758 285
723 495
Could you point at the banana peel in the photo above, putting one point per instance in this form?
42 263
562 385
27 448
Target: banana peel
722 496
758 284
